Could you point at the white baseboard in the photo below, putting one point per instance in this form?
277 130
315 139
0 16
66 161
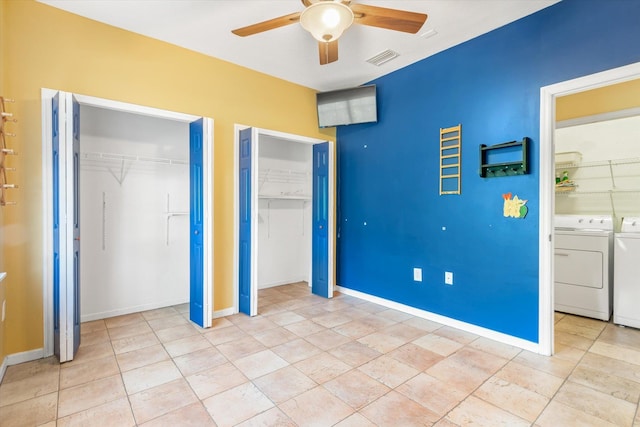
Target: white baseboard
128 310
447 321
223 313
283 282
17 358
3 368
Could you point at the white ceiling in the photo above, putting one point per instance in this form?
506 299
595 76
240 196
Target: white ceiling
290 53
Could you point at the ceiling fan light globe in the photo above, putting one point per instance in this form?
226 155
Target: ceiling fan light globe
330 18
326 20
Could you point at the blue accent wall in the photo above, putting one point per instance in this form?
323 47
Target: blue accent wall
388 171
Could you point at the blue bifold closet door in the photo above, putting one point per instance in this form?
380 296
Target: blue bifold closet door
65 155
244 256
320 221
196 248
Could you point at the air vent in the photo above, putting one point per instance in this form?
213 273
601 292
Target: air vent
382 57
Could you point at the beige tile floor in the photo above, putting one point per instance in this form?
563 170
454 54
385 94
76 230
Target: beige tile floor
309 361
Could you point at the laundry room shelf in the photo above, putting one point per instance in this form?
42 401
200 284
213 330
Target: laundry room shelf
602 163
616 179
568 158
566 188
596 193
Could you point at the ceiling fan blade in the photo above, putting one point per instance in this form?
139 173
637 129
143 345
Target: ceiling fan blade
391 19
328 52
267 25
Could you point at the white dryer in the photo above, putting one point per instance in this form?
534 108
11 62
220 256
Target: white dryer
626 290
584 265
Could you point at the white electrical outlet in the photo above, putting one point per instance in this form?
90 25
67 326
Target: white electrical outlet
448 278
417 275
4 305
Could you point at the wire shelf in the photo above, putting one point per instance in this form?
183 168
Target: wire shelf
117 158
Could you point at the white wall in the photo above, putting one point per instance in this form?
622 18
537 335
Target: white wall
126 263
284 219
597 142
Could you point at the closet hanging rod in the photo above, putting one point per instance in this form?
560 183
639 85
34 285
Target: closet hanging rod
125 157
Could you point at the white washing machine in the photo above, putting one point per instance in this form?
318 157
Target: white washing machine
626 289
584 265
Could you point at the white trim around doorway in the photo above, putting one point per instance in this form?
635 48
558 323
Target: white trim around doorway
257 132
548 95
47 235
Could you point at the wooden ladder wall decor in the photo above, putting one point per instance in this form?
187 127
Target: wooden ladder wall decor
5 152
450 150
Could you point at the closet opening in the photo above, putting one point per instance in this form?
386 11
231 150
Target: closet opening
128 214
134 210
284 216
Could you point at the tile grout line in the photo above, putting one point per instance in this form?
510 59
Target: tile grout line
566 378
478 387
177 367
121 375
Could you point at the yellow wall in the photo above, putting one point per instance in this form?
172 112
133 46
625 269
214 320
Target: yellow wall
2 285
46 47
616 97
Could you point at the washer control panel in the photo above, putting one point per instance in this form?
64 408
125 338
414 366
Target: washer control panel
630 225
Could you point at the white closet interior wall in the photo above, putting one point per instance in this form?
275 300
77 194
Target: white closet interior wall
134 226
284 211
598 142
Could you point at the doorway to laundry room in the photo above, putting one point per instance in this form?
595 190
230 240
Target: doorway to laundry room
597 191
284 221
585 191
127 189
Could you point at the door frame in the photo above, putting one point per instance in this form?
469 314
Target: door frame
256 133
548 95
47 197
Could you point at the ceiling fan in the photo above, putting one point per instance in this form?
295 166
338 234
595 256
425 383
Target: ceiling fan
326 20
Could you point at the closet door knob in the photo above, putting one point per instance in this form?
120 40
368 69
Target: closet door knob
195 232
321 227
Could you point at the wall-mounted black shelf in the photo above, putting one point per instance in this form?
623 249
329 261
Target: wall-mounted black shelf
520 166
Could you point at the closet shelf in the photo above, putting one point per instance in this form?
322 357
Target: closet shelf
284 176
123 157
283 184
284 196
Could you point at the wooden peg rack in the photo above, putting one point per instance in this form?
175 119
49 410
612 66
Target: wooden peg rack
5 151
